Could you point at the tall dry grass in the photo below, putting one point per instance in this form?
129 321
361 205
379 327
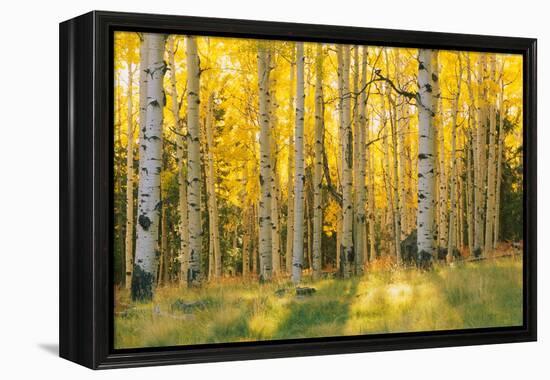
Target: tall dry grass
384 300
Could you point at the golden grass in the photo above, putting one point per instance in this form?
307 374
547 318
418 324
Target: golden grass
384 300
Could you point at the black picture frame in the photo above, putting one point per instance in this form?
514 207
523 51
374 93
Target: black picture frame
86 172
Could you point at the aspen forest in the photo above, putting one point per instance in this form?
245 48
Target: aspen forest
271 190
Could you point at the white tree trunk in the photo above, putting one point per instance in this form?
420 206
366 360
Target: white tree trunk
370 181
426 180
491 166
183 256
361 154
129 182
150 164
469 187
389 210
290 174
318 165
440 172
265 240
394 122
395 187
402 130
194 276
499 162
274 183
454 174
347 252
340 164
299 175
213 219
480 157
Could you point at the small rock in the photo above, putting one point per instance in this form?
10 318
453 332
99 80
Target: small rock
188 307
305 291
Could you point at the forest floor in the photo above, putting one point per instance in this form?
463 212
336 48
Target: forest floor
465 295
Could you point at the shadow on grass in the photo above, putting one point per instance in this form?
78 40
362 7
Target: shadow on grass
323 314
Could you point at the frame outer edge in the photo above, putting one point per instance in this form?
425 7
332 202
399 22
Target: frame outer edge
76 305
85 274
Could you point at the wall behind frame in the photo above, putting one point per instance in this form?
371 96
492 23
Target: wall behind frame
29 187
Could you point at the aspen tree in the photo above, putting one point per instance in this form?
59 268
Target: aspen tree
469 186
426 180
370 181
402 133
395 175
499 158
362 166
339 221
129 239
347 249
264 217
194 276
275 231
299 175
183 256
491 164
388 210
454 173
164 260
439 155
318 164
150 162
480 163
356 131
213 217
290 170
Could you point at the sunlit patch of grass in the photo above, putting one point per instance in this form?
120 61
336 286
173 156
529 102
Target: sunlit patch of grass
384 300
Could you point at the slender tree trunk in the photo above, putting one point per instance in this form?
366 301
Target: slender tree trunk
499 162
290 175
299 177
347 249
453 202
183 255
388 224
491 166
129 241
426 181
395 175
340 165
254 241
213 218
274 183
150 163
194 276
441 190
410 173
119 202
396 199
318 165
246 242
307 220
356 132
265 241
480 157
402 133
370 204
474 113
470 190
164 261
361 154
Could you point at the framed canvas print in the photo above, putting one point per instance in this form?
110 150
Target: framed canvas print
238 189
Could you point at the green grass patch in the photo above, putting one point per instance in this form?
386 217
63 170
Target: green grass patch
468 295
